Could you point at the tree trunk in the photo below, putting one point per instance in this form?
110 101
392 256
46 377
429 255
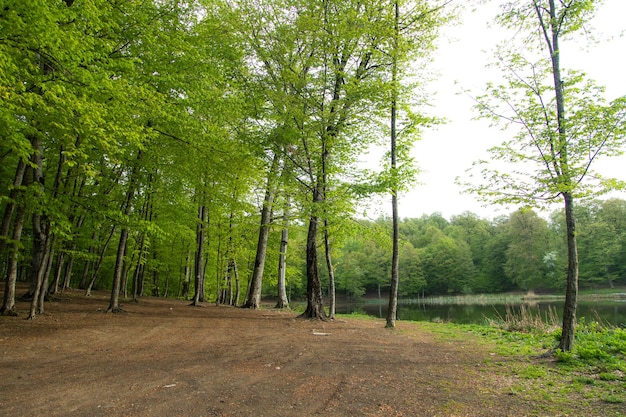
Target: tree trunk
67 275
8 303
58 271
119 271
70 262
37 302
199 261
315 306
253 299
5 227
186 275
138 273
155 275
96 269
331 272
552 31
571 289
237 284
114 304
41 234
283 301
393 292
125 272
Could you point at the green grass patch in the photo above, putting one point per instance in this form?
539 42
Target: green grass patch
592 375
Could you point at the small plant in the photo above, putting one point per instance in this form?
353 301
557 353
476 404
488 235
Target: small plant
614 399
608 376
532 372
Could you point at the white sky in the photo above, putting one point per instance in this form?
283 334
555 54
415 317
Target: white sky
445 153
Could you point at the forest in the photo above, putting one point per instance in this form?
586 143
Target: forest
209 150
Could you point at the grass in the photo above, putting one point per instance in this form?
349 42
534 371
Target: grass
524 319
591 377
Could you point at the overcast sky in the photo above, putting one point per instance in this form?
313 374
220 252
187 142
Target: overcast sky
464 50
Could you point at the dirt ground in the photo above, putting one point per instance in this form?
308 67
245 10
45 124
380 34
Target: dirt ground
165 358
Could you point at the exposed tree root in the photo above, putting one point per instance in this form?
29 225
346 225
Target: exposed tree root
193 304
9 312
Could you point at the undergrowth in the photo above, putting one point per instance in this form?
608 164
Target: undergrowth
592 375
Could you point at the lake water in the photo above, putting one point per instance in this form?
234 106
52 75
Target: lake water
612 312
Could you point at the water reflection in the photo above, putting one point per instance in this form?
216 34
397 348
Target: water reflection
611 312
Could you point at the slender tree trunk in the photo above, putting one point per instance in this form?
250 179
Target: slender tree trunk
393 292
42 238
283 301
70 262
231 268
331 272
96 269
137 274
155 275
253 299
551 32
315 306
125 271
5 226
37 302
58 271
21 178
67 275
199 261
114 304
187 275
83 280
118 272
237 283
571 289
8 303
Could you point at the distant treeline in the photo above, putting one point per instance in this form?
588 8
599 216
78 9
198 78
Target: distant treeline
469 255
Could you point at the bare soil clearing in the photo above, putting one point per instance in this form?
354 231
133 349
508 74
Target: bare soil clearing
164 358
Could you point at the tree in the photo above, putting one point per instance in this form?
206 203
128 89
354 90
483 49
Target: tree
283 301
323 64
564 124
477 233
528 244
256 284
447 263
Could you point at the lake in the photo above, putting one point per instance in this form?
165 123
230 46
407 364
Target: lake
609 311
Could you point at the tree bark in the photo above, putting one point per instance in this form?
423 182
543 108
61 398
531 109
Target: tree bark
315 306
36 304
551 31
571 289
199 261
119 271
331 273
114 304
8 303
237 284
138 272
58 271
283 301
155 275
253 300
393 292
5 227
41 234
96 269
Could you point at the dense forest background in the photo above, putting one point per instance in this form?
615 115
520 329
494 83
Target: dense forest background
144 142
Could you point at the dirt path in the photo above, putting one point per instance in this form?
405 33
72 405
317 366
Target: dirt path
164 358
